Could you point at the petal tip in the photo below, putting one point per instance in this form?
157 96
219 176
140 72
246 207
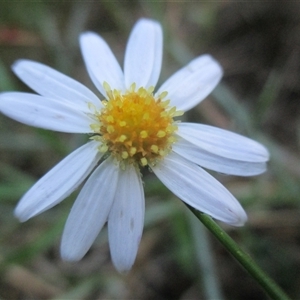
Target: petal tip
20 216
86 34
68 254
266 153
147 21
240 218
18 66
123 267
88 37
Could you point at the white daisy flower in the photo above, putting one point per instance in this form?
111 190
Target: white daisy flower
131 127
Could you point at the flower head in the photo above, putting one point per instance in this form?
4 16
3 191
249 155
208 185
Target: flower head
131 126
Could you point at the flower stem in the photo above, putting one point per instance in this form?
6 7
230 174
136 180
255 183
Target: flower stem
270 287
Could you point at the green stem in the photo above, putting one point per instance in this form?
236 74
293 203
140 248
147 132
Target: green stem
270 287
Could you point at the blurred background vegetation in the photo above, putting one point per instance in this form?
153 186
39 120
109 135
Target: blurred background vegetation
258 45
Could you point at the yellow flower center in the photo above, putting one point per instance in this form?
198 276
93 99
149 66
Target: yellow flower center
135 126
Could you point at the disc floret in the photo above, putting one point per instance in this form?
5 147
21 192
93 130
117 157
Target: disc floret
136 126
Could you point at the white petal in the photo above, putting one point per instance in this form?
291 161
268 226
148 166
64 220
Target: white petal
90 211
126 219
101 62
199 189
53 84
191 84
42 112
59 182
215 162
143 56
223 142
